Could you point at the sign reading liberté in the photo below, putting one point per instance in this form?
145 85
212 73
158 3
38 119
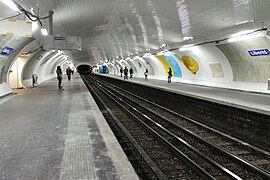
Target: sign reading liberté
259 52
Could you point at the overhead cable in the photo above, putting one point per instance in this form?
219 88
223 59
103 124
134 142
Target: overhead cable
3 19
31 16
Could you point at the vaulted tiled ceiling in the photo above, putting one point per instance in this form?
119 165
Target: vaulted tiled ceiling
116 28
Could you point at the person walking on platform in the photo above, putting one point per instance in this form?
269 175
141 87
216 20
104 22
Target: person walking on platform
169 75
68 72
131 72
146 74
121 71
126 73
59 76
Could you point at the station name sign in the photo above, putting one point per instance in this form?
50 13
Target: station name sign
6 51
260 52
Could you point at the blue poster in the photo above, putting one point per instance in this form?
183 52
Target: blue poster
6 51
175 66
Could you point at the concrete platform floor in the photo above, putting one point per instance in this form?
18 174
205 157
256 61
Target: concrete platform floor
46 133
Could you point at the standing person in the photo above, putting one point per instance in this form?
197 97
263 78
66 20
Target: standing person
125 73
146 74
59 76
72 71
121 71
169 75
131 72
68 72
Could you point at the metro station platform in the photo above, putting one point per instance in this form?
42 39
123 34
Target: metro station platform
46 133
234 94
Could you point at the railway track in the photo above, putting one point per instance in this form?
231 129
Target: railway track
175 146
255 126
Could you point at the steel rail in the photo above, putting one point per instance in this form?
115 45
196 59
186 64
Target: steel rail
182 141
196 122
168 144
204 174
228 154
152 165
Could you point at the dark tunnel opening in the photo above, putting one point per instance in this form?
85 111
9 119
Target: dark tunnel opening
84 69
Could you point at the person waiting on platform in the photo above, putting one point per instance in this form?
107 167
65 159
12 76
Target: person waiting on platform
68 72
146 74
169 75
121 71
125 73
131 72
59 76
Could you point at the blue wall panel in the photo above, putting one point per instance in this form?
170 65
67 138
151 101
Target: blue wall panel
176 67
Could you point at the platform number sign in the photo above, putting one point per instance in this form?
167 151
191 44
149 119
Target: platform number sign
6 51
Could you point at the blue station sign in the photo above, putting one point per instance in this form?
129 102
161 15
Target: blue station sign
259 52
6 51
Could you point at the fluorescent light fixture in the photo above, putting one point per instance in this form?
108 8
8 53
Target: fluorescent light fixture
244 35
44 32
243 32
243 22
240 38
148 49
163 45
186 47
187 38
11 4
160 53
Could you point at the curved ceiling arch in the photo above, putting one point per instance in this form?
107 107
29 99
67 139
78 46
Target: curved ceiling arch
117 28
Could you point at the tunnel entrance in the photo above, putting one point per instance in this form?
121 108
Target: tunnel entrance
84 69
